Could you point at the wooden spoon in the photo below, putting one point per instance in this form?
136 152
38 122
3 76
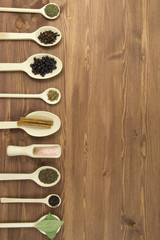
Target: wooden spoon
30 176
42 96
33 200
29 10
32 36
36 131
25 66
26 225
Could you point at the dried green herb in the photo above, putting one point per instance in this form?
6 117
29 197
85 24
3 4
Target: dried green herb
52 95
49 225
48 175
51 10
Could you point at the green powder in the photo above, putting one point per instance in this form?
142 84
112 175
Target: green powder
51 10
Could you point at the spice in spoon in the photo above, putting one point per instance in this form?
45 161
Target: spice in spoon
43 65
52 95
48 37
50 225
51 10
54 201
25 121
48 175
53 151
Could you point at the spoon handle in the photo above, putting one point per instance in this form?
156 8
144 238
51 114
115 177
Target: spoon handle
14 176
17 225
11 67
8 125
19 10
15 36
8 95
21 200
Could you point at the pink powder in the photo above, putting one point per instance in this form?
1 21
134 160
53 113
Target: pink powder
54 151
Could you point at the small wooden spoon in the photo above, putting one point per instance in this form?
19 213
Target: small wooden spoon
33 200
42 96
29 10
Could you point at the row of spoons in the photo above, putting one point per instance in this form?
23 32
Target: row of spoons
26 67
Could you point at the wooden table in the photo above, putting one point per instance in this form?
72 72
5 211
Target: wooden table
110 115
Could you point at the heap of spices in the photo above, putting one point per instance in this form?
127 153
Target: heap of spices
51 10
52 95
48 37
43 65
35 122
48 175
54 151
54 200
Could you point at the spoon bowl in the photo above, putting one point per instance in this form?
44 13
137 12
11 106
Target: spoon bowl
37 180
42 132
42 11
36 34
27 68
44 96
46 201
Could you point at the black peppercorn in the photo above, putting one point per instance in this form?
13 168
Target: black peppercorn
54 200
43 66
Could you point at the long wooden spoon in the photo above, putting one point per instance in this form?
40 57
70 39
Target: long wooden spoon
30 176
29 10
25 66
43 96
32 36
32 200
36 131
26 224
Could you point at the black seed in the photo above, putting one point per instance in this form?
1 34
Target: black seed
43 66
53 200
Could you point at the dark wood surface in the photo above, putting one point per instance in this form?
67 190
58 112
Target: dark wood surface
110 115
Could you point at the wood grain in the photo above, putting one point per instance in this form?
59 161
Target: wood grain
110 132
